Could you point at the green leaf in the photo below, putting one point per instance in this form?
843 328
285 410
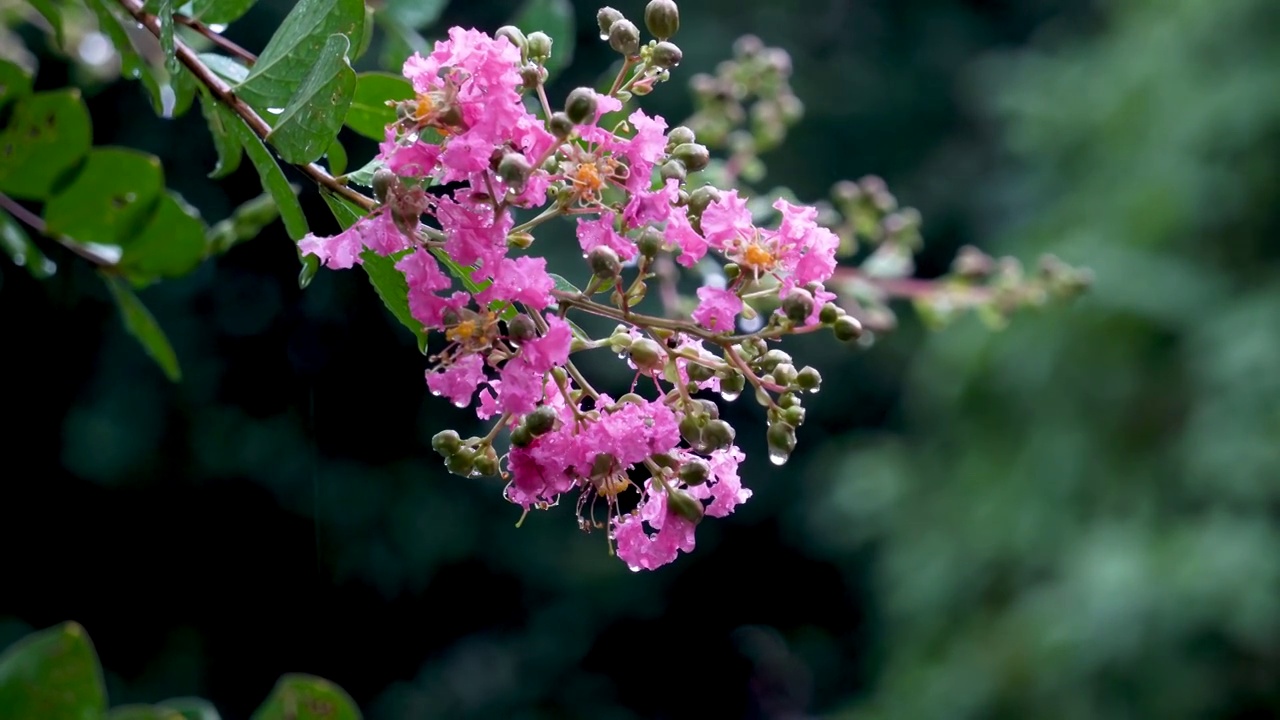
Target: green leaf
313 117
171 244
52 675
48 134
306 697
292 51
143 326
18 246
555 18
224 67
15 84
400 40
273 179
167 46
53 15
366 36
245 223
369 114
192 708
143 712
220 12
132 65
110 199
337 157
564 285
387 281
416 14
364 176
225 139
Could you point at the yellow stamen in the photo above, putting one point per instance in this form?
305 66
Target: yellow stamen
757 257
462 332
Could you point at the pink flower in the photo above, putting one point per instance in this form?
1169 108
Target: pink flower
692 245
459 380
376 232
593 233
640 550
523 280
551 348
724 487
717 309
471 232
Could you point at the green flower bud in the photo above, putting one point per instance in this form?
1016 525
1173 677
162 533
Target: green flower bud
707 408
560 125
532 75
514 169
809 379
666 461
771 360
674 170
694 156
581 105
650 242
512 34
487 464
797 305
521 328
646 354
699 373
685 505
732 271
732 386
847 328
446 442
624 37
603 465
461 462
691 429
794 416
606 17
667 55
540 421
604 262
520 240
700 198
829 313
781 438
694 472
784 374
716 435
539 45
662 18
521 437
788 399
680 135
383 179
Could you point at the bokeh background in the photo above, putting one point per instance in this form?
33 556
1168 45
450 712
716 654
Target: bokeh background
1073 518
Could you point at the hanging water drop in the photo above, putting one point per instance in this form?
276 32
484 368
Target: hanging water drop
217 27
778 457
275 111
729 395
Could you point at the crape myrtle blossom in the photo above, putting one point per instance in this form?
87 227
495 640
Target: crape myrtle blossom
462 157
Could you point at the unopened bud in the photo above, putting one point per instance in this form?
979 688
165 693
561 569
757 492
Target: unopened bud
716 435
667 55
674 170
512 34
794 415
707 408
650 242
771 360
691 429
487 463
539 45
520 240
797 305
581 105
700 198
809 378
788 399
606 17
699 373
680 135
514 170
662 18
521 328
624 37
732 385
382 182
784 374
685 505
732 271
829 313
461 462
540 421
560 125
694 472
604 262
446 442
781 437
521 437
646 354
532 75
694 156
847 328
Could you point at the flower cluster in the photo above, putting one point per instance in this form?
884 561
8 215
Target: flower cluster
464 154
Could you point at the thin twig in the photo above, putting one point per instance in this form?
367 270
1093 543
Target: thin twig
35 223
216 38
251 118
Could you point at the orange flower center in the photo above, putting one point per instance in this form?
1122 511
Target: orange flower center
612 485
463 331
757 257
587 177
423 107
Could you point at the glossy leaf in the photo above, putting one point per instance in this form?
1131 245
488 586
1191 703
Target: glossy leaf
314 115
144 712
132 65
245 223
52 675
110 199
47 135
220 11
387 281
369 114
225 140
142 325
192 708
564 285
224 67
337 157
171 244
555 18
17 244
273 179
292 51
306 697
364 176
399 40
14 83
53 15
416 14
165 13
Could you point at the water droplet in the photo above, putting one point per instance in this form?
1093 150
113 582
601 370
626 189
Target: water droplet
730 396
777 457
633 568
435 393
813 391
604 36
217 27
460 403
275 111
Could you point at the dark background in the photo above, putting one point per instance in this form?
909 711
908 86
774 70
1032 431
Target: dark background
1072 518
